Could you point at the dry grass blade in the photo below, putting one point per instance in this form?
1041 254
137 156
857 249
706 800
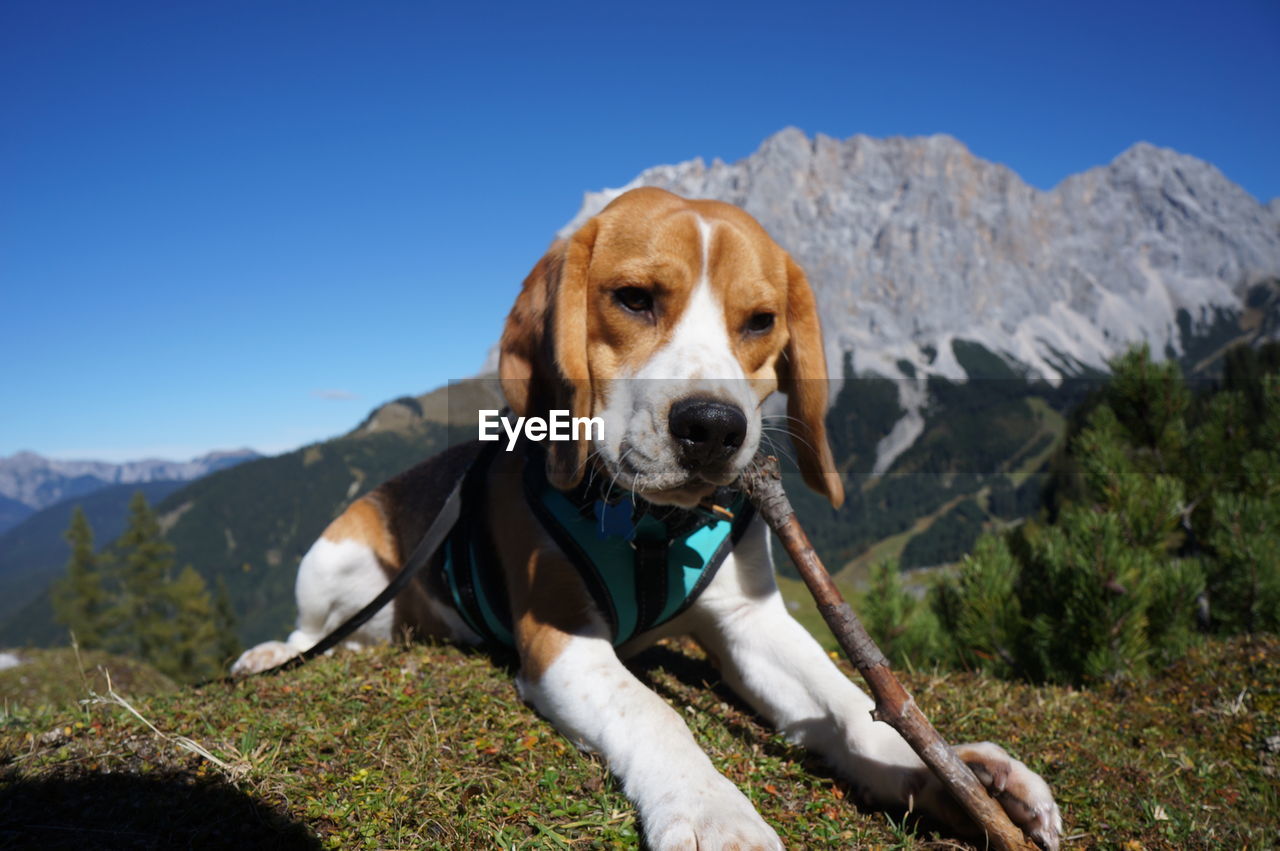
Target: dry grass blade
234 771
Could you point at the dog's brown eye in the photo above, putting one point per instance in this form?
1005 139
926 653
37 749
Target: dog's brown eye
760 323
635 300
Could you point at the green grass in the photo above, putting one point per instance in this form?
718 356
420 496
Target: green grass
1052 424
429 746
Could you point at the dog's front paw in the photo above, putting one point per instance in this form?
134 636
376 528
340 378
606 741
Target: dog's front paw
260 658
717 818
1023 794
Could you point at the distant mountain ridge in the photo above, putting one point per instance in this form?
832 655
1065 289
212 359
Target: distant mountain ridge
13 512
38 482
912 243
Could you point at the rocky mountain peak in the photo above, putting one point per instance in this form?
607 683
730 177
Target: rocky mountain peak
912 243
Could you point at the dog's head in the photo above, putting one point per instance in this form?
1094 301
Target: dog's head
671 320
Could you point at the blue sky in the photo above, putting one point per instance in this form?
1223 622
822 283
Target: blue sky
247 223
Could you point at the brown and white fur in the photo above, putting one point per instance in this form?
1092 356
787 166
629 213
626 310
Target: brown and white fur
695 297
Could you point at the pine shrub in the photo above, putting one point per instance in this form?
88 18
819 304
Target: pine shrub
1174 510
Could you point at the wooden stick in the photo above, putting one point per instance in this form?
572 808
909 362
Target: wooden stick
762 483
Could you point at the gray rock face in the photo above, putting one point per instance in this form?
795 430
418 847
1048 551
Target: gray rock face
39 482
912 243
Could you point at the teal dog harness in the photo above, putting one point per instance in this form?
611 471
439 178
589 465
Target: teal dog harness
643 564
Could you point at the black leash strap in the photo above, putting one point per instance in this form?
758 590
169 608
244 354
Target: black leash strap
431 541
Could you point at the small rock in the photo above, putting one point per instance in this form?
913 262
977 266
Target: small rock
54 737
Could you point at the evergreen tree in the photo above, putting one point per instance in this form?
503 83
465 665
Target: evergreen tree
228 645
80 599
165 619
193 653
1245 579
1165 501
142 626
1103 591
1236 512
903 626
979 610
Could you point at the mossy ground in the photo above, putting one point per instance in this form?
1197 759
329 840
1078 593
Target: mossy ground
61 677
430 747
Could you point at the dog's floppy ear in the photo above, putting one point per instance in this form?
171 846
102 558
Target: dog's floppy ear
802 375
542 363
523 351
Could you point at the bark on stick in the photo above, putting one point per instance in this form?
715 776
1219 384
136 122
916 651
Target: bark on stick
762 482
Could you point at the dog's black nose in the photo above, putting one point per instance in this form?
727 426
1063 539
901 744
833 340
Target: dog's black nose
706 431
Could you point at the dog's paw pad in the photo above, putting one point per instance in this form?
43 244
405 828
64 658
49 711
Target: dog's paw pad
1023 793
264 656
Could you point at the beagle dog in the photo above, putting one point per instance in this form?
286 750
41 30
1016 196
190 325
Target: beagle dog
671 320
